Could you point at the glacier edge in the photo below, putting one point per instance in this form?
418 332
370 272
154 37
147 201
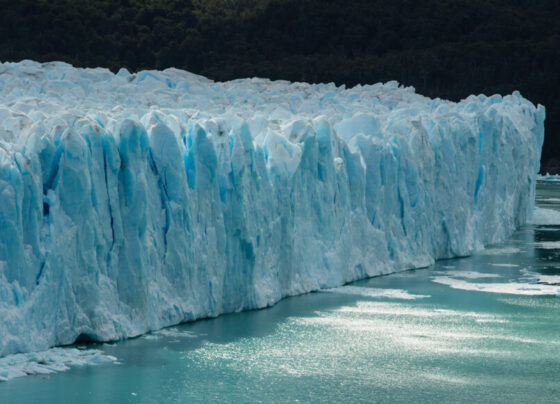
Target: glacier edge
129 203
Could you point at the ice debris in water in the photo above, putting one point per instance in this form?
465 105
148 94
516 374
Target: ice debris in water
467 274
548 177
50 361
171 332
548 245
375 292
514 288
539 278
500 251
132 202
542 216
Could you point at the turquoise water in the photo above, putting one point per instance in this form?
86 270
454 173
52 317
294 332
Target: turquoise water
445 333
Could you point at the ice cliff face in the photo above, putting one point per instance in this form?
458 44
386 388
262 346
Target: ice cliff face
133 202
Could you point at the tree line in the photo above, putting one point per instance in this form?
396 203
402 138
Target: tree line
444 48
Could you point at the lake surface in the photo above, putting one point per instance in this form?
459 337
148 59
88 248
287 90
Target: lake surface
481 328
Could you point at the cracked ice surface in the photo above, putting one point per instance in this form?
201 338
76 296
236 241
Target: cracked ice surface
131 202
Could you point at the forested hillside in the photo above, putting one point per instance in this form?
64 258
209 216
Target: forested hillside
444 48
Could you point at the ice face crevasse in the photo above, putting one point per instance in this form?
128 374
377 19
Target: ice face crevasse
131 202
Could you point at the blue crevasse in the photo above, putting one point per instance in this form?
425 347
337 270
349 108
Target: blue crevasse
132 202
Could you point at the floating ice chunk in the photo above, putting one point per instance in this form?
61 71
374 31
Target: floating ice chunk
548 177
468 274
541 278
549 200
171 332
514 288
543 216
500 251
375 292
548 245
50 361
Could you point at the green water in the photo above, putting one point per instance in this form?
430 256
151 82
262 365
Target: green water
423 342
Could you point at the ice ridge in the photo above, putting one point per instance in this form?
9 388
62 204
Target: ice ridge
131 202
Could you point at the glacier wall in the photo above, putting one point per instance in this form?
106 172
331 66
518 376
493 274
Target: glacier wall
131 202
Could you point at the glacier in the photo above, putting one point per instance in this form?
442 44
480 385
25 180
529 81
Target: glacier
132 202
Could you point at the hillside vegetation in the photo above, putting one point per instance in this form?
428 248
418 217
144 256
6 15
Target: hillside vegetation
444 48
